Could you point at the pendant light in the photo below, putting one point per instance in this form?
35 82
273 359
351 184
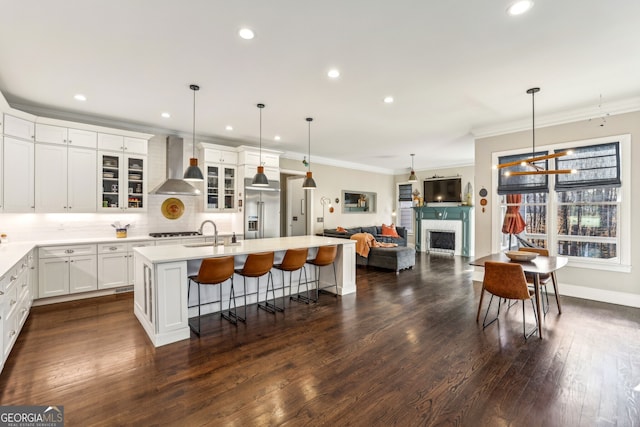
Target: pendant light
193 172
536 170
412 176
260 179
309 183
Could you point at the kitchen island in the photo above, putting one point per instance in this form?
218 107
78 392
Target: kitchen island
161 279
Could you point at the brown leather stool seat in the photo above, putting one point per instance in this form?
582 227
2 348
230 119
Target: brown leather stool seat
256 265
294 260
213 271
326 255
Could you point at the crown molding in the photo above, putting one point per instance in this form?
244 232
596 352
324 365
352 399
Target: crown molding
610 109
292 155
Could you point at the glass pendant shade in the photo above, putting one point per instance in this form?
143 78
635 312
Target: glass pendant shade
309 183
412 176
260 179
193 172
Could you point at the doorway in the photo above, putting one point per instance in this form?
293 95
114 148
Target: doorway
297 207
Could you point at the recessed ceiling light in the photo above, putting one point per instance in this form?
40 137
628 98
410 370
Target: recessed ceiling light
277 137
388 99
333 73
246 33
166 115
228 127
79 97
519 7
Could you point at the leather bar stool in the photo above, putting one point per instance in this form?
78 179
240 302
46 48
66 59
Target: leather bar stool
256 265
326 255
213 271
294 260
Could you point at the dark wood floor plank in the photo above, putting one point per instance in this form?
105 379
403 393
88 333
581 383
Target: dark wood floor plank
406 350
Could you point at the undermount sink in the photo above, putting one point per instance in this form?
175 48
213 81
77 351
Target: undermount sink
199 245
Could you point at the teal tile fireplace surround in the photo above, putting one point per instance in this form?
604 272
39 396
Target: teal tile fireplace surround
441 213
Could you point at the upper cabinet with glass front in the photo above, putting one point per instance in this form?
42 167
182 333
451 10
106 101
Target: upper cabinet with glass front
221 178
122 173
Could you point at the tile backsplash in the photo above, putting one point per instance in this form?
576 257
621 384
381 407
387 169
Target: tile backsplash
31 226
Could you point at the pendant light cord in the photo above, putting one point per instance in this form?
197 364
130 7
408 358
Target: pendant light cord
533 122
260 136
309 120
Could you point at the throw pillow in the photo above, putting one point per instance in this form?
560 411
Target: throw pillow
341 230
389 230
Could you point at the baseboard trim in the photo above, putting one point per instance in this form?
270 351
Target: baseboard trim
593 294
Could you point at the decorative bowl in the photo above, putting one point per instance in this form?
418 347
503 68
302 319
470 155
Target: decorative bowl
520 255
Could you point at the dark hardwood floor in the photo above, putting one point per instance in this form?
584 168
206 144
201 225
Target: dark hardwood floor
406 351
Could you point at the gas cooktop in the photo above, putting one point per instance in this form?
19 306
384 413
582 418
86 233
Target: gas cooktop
175 234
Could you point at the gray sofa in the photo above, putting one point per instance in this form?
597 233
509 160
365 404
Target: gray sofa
374 230
396 259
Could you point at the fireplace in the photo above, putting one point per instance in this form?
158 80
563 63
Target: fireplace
441 241
455 221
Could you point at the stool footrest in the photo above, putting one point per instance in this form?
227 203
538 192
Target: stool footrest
233 317
270 307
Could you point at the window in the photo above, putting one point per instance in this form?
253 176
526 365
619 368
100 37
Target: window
578 215
405 207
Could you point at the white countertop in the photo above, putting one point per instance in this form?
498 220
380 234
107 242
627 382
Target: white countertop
11 253
170 253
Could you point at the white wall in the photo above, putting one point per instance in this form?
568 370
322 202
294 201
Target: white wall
332 180
617 287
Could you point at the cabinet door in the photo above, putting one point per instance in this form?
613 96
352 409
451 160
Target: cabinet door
112 270
18 175
81 180
110 142
82 138
19 128
83 274
51 178
53 277
135 179
230 174
135 145
109 168
51 134
212 197
229 157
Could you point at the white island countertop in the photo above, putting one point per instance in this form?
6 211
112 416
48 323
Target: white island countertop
161 254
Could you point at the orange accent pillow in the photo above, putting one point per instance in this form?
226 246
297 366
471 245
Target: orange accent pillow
341 230
389 230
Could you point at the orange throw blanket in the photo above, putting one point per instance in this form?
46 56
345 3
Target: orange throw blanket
366 241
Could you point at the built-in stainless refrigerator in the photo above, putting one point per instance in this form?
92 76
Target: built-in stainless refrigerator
261 210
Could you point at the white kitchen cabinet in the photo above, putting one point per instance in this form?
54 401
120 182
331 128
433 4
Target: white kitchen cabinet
64 180
130 256
217 155
122 182
18 175
123 144
112 265
220 187
251 157
67 269
66 136
15 303
20 128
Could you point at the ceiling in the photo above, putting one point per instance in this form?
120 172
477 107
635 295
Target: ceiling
452 67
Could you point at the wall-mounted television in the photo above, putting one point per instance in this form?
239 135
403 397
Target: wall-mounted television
437 190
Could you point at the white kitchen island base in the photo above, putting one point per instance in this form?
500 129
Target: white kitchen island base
161 279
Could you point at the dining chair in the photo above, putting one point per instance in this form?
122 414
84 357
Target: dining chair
506 280
213 271
543 280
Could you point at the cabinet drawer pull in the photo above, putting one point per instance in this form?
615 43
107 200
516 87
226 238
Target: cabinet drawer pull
13 278
12 302
113 248
1 293
24 310
12 333
24 285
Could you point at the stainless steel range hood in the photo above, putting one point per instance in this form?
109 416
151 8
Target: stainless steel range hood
175 185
